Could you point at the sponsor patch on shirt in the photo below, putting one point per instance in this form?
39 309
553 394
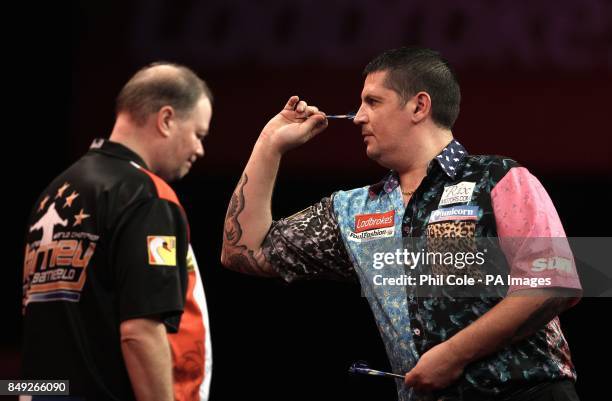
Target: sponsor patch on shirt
162 250
458 193
371 234
372 221
454 213
373 226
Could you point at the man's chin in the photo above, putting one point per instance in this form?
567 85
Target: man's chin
372 154
377 157
181 174
174 176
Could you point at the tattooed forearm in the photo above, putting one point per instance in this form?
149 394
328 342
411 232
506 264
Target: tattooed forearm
234 255
233 231
540 317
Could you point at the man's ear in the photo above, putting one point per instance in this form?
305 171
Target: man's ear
422 106
165 120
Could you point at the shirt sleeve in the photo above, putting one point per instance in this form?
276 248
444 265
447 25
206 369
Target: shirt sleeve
149 257
531 234
309 245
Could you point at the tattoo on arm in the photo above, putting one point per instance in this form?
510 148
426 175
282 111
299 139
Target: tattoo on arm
540 317
233 231
238 256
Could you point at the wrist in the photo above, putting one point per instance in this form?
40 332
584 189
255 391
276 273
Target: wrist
459 352
267 145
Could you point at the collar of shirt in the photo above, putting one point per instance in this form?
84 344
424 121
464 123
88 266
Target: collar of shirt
449 160
116 149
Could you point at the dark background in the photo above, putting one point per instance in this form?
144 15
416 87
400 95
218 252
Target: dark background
536 81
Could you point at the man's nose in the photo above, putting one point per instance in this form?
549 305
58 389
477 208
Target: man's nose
200 149
360 117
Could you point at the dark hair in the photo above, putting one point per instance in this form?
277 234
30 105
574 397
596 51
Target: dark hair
148 91
411 70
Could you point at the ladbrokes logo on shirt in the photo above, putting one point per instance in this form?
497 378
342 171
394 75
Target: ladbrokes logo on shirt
364 222
162 250
59 248
373 226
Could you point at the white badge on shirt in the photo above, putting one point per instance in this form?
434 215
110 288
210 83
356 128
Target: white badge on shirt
458 193
371 234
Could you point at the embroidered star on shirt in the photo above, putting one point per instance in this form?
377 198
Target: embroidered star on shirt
71 199
43 203
60 192
78 218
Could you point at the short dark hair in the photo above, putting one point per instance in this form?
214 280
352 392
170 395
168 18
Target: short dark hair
411 70
145 93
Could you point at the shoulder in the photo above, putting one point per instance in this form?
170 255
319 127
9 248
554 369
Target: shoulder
352 194
490 162
119 182
492 167
161 187
344 199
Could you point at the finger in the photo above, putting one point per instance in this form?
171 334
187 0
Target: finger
292 102
315 124
409 380
301 106
310 110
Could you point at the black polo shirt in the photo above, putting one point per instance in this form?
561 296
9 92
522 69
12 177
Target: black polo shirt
107 241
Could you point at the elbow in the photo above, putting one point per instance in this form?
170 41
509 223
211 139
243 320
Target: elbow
571 297
246 261
227 260
224 258
231 259
573 300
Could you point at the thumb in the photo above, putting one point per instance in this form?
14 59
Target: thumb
291 103
409 379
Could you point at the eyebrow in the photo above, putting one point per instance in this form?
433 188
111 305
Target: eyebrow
369 96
